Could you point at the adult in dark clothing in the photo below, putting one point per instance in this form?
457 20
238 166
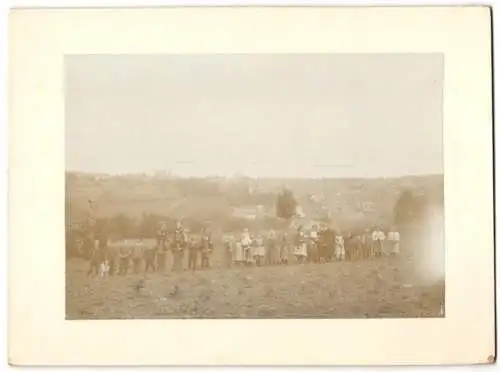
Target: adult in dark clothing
350 246
150 253
124 255
161 235
327 240
96 257
284 249
161 248
161 258
323 249
228 251
97 253
193 248
206 250
366 244
112 257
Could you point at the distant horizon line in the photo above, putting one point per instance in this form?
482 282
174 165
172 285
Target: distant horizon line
157 174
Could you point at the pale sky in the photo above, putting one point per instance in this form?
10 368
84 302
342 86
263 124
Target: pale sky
257 115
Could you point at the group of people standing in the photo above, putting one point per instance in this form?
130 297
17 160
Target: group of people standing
119 258
316 245
197 248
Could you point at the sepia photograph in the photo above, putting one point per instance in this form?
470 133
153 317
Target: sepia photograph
251 186
254 186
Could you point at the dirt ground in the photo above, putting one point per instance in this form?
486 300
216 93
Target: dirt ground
375 288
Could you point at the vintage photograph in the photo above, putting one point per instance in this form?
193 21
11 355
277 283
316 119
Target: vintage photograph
293 186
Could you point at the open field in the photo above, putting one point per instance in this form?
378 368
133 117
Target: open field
381 287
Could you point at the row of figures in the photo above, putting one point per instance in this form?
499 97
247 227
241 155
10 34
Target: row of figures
320 244
197 247
317 245
118 258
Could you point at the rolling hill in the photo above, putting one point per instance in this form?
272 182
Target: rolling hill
344 201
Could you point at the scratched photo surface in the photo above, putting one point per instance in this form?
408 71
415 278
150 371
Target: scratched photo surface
254 186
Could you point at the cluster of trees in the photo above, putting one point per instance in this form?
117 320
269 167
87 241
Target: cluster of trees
410 209
286 205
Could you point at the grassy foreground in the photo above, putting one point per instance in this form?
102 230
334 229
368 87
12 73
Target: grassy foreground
375 288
